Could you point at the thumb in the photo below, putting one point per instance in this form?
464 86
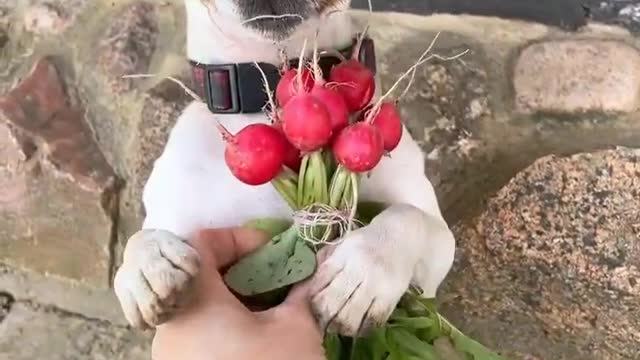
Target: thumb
220 248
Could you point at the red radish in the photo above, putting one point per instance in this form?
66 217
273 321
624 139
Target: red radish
359 147
330 97
387 121
356 83
255 154
292 156
306 123
288 86
336 106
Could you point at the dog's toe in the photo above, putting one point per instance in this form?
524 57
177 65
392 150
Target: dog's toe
154 278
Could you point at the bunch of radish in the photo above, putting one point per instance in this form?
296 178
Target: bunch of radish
325 132
313 119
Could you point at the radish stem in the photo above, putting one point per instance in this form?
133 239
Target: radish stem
354 205
301 177
338 186
287 189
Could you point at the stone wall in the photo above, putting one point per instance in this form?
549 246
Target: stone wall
528 138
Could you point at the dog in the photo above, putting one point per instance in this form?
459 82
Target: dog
190 188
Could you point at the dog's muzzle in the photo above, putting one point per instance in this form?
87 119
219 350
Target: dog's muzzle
238 88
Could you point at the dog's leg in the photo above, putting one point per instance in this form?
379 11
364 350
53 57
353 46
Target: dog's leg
409 243
158 261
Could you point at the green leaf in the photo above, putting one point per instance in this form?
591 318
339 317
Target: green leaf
409 344
429 303
378 343
399 312
271 226
284 261
360 349
332 347
469 346
413 322
465 344
445 349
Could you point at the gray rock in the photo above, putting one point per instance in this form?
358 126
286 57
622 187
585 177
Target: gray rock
58 195
577 75
31 332
45 19
128 44
447 105
550 268
162 106
32 287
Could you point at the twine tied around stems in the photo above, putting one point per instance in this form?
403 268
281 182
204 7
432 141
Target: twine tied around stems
321 224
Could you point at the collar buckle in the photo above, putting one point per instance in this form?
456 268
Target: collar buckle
221 88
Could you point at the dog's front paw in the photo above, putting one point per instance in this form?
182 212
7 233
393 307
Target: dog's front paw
357 288
154 276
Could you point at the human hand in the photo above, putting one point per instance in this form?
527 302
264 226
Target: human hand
216 325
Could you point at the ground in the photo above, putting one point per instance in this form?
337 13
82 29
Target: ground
530 139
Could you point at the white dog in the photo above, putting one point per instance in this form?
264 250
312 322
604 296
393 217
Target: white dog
190 187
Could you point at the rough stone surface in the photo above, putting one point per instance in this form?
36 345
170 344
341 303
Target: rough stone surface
6 301
551 267
32 287
446 105
128 44
45 19
577 75
162 107
58 192
4 38
32 332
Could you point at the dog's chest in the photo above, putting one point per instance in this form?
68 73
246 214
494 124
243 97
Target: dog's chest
215 197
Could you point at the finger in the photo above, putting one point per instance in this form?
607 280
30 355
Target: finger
219 248
223 247
325 253
299 294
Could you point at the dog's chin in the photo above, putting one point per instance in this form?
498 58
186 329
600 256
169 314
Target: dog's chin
275 29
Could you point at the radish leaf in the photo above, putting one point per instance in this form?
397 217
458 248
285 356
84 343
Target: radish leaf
284 261
271 226
333 347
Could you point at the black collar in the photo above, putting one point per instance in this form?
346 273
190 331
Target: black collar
238 88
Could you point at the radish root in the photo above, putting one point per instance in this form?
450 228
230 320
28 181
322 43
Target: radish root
333 222
226 135
282 53
268 91
355 55
412 70
317 73
335 53
171 78
301 64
